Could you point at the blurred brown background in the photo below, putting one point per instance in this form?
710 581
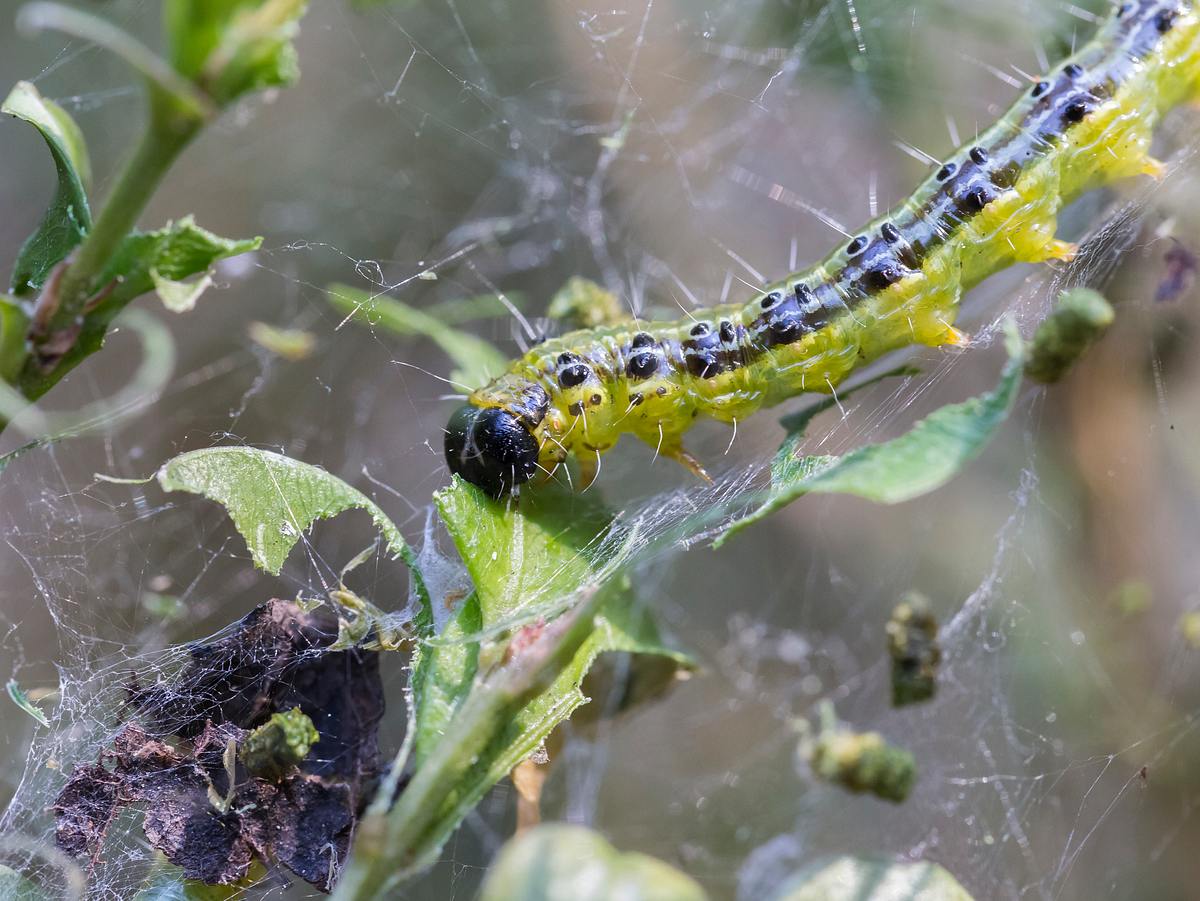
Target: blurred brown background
655 148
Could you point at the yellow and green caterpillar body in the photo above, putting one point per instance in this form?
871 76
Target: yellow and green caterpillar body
898 283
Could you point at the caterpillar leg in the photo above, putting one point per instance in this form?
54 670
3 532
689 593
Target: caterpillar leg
1063 251
694 466
1156 169
955 338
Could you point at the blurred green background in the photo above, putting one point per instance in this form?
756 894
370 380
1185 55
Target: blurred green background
670 151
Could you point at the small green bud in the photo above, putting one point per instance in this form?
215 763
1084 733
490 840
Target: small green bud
912 644
1080 317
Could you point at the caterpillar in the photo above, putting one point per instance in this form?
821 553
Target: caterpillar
898 283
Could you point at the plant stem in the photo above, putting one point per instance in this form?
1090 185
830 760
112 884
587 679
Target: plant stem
163 141
389 845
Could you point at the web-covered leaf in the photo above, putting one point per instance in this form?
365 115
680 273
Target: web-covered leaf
921 460
15 887
557 862
518 559
232 47
68 218
475 361
271 498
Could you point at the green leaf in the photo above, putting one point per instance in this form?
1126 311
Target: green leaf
458 310
68 218
871 879
524 563
476 361
21 699
919 461
160 260
143 261
233 47
556 862
271 498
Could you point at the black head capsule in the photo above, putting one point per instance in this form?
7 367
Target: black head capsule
490 448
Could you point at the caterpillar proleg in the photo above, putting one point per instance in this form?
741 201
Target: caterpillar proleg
898 282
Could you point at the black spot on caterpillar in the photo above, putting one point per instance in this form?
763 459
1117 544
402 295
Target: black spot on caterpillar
898 283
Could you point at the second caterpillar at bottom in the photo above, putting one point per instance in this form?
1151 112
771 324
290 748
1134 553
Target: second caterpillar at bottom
898 283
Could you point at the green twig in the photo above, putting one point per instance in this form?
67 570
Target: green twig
162 142
391 845
43 16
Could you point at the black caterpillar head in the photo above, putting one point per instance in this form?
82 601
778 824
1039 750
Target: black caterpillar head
490 448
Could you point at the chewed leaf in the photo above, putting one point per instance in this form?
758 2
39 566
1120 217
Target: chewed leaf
542 550
919 461
232 47
21 699
177 296
556 862
272 499
476 361
161 260
870 879
68 218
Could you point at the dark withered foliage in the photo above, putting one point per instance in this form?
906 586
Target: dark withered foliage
275 660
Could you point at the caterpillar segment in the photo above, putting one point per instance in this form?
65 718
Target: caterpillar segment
899 282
